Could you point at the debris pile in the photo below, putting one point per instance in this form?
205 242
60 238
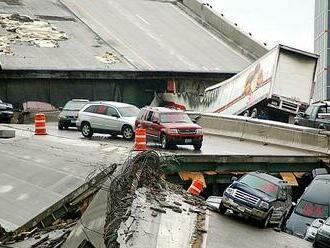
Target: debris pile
108 58
52 236
139 196
53 228
17 28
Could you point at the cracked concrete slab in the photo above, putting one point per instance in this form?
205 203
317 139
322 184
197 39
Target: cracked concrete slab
38 171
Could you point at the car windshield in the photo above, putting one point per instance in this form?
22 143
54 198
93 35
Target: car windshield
312 210
260 184
175 117
74 105
129 111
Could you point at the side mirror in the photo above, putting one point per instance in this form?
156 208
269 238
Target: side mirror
60 108
233 179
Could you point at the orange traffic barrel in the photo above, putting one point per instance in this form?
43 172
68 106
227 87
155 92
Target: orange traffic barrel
140 143
171 88
195 188
40 124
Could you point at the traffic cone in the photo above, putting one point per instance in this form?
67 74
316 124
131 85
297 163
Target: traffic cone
195 188
140 143
40 124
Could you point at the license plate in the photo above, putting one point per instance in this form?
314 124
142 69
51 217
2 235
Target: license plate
241 209
188 140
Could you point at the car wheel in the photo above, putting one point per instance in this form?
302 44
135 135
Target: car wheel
322 127
281 224
86 130
265 222
163 141
198 147
60 126
222 208
127 132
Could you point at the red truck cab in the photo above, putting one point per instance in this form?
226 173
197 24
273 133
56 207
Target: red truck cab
169 127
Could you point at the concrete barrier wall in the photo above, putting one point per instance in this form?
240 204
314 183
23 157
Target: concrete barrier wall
28 118
266 132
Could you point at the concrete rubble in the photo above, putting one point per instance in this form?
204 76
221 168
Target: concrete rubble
17 28
52 236
108 58
143 208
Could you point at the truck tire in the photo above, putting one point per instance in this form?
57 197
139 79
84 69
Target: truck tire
163 141
265 222
197 147
322 127
60 126
316 244
281 224
222 208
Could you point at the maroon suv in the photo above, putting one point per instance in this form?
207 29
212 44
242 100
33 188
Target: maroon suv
169 127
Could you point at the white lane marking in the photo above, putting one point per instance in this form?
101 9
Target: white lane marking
142 19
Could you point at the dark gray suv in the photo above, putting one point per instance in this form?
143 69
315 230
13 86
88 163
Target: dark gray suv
69 114
259 196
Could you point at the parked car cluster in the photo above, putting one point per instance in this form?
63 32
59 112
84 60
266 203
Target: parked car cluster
268 200
166 126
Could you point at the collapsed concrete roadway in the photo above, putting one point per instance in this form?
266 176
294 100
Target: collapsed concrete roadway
63 160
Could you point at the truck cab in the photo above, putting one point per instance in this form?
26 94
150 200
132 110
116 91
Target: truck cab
259 196
317 115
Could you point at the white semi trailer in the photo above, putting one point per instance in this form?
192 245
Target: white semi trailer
276 86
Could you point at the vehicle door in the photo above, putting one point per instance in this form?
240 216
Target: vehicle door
155 126
148 125
311 122
112 120
140 118
319 119
88 114
317 115
97 118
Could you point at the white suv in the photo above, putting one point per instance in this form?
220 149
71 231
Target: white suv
107 117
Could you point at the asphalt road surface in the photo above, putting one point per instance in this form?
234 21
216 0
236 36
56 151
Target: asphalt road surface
144 31
216 145
234 231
